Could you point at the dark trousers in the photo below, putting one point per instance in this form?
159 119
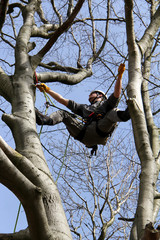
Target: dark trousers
74 126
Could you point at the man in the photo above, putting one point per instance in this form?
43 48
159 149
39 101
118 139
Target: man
100 116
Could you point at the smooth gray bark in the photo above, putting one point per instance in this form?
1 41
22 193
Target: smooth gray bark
148 176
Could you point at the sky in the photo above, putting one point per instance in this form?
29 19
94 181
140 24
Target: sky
9 205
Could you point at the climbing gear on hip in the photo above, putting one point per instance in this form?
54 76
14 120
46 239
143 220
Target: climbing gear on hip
93 117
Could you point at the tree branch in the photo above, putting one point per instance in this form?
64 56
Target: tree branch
21 163
61 29
29 195
24 35
6 89
57 67
150 32
65 78
130 23
43 31
23 234
3 12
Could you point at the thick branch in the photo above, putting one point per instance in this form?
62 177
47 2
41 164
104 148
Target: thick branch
21 235
150 32
5 86
3 11
61 29
22 163
148 165
44 30
135 74
28 194
14 5
54 66
129 23
21 50
64 78
41 13
152 129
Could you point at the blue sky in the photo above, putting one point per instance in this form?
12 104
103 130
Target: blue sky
9 205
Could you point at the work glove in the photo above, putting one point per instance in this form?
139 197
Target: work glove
43 87
121 69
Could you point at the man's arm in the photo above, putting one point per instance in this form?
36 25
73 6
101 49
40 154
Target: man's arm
58 97
43 87
118 85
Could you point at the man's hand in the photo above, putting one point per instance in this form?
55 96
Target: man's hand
43 87
121 70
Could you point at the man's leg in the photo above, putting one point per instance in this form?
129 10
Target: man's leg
72 124
53 119
111 118
42 119
124 115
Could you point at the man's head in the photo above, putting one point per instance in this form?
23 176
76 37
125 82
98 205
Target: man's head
96 96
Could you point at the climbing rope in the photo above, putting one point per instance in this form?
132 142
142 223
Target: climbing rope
65 153
17 217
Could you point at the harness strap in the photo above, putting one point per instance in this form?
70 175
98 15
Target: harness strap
99 132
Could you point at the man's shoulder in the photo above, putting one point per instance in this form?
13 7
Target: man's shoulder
72 105
112 100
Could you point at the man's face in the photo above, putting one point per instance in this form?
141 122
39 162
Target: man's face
93 96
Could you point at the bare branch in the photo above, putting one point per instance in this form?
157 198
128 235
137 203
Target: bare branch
61 29
3 12
57 13
41 13
130 23
23 234
56 67
150 31
15 5
65 78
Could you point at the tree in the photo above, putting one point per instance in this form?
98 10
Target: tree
146 135
96 40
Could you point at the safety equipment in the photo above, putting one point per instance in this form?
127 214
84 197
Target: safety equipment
95 117
99 92
43 87
121 69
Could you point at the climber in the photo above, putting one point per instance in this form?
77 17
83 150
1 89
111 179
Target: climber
100 117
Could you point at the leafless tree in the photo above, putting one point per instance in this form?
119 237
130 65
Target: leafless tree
68 44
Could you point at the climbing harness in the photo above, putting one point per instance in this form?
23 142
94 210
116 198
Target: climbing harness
95 117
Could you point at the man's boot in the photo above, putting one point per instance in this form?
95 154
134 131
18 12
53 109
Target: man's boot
124 115
42 119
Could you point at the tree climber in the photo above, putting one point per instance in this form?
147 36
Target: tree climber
100 117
